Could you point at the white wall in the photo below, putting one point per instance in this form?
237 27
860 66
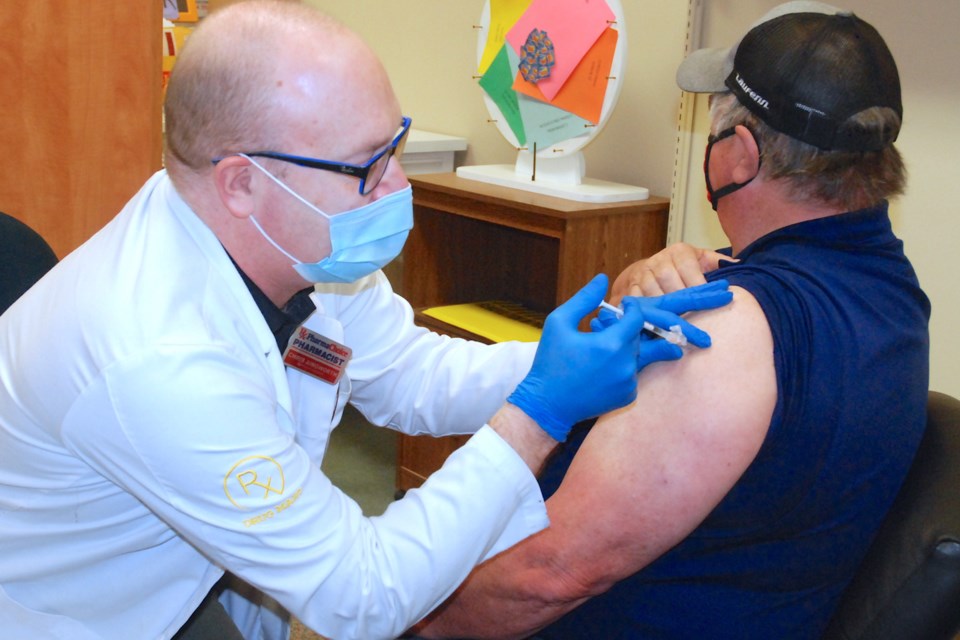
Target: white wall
429 49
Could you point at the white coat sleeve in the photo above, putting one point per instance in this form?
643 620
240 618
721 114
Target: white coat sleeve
411 379
197 435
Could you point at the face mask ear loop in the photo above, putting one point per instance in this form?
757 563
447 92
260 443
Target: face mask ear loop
288 190
713 196
272 241
296 195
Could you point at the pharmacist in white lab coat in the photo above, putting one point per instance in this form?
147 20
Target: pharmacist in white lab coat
157 431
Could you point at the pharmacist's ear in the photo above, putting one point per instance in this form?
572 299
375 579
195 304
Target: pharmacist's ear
234 177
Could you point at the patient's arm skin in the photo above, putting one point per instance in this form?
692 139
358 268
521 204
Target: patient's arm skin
645 477
675 267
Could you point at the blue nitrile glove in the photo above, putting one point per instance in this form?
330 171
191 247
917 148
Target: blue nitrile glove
578 375
662 311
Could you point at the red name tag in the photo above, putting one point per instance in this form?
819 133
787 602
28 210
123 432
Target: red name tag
315 355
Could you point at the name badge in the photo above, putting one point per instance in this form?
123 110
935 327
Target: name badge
315 355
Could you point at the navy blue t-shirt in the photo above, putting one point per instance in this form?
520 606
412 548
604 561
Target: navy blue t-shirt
851 345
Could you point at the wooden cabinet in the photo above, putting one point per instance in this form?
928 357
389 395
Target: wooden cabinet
81 112
473 241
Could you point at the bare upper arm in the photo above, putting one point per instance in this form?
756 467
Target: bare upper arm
644 478
647 475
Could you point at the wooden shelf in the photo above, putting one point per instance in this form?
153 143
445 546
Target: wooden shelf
474 241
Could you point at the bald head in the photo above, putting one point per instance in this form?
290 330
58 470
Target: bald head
260 74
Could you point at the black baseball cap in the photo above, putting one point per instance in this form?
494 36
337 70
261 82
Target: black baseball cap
804 69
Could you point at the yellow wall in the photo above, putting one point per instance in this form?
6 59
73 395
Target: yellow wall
429 49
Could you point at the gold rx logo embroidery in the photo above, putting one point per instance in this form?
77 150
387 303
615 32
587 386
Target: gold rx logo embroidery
253 481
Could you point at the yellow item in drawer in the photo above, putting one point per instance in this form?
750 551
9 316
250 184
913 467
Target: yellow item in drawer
496 320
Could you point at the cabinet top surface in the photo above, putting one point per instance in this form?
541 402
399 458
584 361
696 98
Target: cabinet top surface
453 185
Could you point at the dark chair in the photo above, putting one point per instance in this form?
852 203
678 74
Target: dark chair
24 258
908 586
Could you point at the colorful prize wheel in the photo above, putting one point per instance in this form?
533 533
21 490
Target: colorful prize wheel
551 73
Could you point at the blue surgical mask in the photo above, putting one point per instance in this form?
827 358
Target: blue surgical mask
362 240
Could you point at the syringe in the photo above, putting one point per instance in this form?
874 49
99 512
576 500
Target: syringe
673 336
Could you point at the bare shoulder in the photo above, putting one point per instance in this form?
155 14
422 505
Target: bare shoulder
728 387
663 463
733 378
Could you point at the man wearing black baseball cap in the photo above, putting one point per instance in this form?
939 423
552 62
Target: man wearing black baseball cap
818 76
742 507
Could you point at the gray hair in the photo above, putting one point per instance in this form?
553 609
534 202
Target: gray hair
849 179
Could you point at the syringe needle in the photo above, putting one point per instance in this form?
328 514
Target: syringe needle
673 336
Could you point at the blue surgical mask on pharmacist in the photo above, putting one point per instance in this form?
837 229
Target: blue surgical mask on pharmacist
362 240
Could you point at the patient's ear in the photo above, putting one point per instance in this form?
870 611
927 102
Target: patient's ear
234 181
748 157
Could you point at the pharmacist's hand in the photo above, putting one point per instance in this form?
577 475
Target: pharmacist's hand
578 375
663 311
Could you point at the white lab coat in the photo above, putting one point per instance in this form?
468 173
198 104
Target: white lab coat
150 439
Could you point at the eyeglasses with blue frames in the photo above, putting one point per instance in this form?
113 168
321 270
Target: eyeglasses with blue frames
370 173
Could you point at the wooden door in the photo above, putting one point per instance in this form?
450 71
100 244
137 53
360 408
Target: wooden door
80 122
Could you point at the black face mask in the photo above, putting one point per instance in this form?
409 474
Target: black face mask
714 195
